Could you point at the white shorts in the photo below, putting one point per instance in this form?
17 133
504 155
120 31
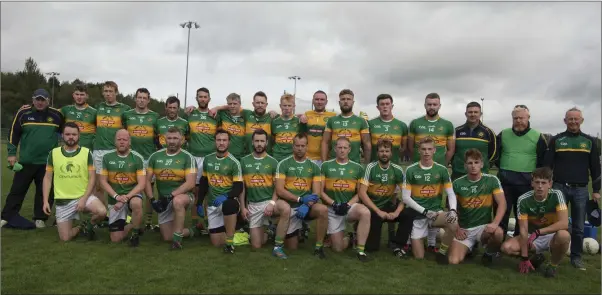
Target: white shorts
215 216
67 212
542 243
294 222
168 215
122 214
421 228
256 216
199 166
97 156
473 235
337 223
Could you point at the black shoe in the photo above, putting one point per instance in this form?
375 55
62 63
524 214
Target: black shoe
550 271
400 253
362 256
537 260
134 241
319 252
228 249
391 245
441 258
487 259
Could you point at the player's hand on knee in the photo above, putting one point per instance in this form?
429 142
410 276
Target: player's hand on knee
245 213
219 200
461 234
340 209
309 199
117 206
490 228
159 205
431 215
81 205
532 238
269 209
302 211
451 216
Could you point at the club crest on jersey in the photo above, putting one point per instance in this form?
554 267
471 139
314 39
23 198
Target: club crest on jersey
583 145
481 134
50 120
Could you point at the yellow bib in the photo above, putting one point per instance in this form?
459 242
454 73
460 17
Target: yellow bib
70 174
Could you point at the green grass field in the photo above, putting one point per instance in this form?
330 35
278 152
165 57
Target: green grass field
37 262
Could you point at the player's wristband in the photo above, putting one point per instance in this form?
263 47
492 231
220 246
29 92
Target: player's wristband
272 202
537 233
115 196
299 200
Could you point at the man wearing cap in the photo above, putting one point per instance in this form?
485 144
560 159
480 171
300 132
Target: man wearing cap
574 157
521 149
35 128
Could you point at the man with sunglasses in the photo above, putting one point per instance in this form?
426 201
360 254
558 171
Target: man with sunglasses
521 149
35 128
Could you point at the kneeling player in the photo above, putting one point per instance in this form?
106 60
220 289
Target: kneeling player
73 184
422 191
122 175
175 172
222 179
259 170
476 192
340 181
298 182
543 218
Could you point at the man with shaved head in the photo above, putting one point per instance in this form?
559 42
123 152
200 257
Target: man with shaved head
574 157
521 149
123 177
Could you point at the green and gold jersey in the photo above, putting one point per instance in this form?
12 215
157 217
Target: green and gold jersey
122 171
163 124
475 199
108 121
258 175
170 170
341 181
540 214
85 120
393 130
202 133
382 183
143 131
235 126
427 184
283 132
351 127
254 122
316 123
221 173
440 130
298 176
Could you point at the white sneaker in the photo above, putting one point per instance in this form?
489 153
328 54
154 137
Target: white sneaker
3 223
40 224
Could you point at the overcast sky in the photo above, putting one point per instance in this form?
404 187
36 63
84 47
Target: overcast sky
544 55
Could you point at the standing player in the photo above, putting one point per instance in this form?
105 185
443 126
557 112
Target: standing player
233 122
544 220
175 172
316 123
123 177
141 124
202 126
284 128
257 119
298 182
222 182
171 119
340 181
259 170
386 127
473 135
422 191
347 125
83 115
476 192
108 121
439 129
378 188
73 184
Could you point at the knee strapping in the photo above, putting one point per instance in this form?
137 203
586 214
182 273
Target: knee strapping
230 206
